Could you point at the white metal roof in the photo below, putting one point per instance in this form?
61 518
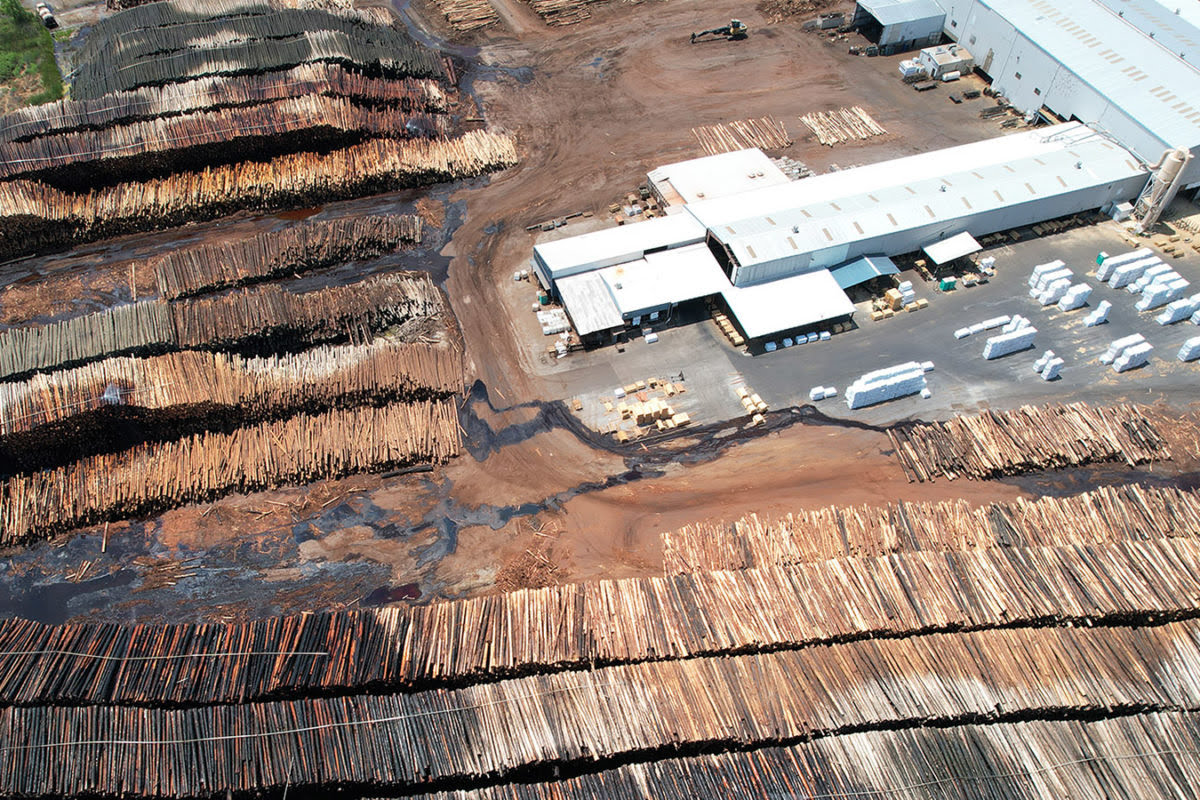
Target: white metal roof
664 278
615 245
1130 68
589 303
957 246
788 303
968 181
943 54
720 175
892 12
1171 25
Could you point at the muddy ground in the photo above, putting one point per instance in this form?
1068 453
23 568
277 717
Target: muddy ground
535 499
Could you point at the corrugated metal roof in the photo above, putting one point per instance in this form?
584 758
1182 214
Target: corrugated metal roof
788 303
615 245
862 270
665 278
589 303
957 246
1134 71
1068 158
1169 26
720 175
896 12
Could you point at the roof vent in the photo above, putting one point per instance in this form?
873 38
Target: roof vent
795 229
617 285
942 188
1078 165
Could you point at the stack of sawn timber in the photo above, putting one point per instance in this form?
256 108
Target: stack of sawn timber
293 250
1110 513
995 443
613 621
612 712
256 314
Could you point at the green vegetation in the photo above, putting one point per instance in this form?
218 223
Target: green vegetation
26 47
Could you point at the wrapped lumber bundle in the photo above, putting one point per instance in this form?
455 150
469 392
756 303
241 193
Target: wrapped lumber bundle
500 731
576 626
995 443
255 387
160 43
149 102
157 476
1108 514
135 328
34 215
295 249
178 141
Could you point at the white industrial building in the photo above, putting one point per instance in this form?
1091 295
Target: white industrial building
1125 67
780 256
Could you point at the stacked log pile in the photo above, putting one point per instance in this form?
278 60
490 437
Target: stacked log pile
151 102
1109 514
493 730
842 125
293 250
157 476
765 134
249 131
257 387
166 43
468 15
614 621
1145 756
35 215
258 314
996 443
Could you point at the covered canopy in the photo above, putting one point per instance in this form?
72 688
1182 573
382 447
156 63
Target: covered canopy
788 303
861 270
946 250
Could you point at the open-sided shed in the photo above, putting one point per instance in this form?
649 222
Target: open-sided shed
898 25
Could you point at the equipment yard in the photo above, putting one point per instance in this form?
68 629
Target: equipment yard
601 399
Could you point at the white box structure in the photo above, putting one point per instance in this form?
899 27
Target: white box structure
907 293
1007 343
1044 269
831 391
1054 292
1179 310
1133 357
1044 359
1110 263
1148 277
816 393
1053 368
1126 274
1099 316
1190 350
1075 297
1119 346
886 384
1161 292
1015 324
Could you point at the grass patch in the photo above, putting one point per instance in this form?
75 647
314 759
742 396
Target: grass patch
27 47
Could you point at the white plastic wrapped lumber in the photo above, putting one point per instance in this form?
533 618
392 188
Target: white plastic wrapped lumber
1044 359
816 393
1049 278
886 384
1075 297
996 322
831 391
1110 264
1179 310
1190 350
1054 292
1119 346
1007 343
1099 316
1053 367
1042 269
1133 357
1128 273
927 366
1148 277
962 333
1161 294
1015 324
1196 318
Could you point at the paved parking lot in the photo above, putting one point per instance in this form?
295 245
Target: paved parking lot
962 380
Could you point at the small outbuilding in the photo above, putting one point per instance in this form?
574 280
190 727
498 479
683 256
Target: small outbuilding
946 58
899 25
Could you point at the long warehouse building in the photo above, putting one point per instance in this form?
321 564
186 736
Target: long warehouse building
1127 68
781 256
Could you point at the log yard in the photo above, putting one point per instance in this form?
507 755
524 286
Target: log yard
589 399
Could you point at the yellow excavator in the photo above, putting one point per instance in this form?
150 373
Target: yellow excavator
736 29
